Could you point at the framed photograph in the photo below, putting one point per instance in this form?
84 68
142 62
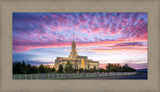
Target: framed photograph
116 42
73 46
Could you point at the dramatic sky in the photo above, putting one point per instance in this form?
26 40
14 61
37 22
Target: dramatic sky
38 38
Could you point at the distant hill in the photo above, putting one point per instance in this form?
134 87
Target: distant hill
142 70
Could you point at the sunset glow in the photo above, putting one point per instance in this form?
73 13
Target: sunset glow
39 38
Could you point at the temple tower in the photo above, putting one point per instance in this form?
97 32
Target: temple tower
73 53
76 60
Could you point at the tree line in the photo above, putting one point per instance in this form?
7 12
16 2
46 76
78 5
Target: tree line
23 68
109 68
119 68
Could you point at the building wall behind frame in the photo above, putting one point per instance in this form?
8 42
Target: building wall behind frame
7 7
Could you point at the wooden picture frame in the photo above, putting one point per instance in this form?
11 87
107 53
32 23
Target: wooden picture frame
7 7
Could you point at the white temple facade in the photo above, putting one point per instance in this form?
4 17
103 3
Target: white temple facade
77 61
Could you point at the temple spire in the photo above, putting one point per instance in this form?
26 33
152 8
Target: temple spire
73 53
73 36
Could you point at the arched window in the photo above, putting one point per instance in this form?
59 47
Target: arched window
82 63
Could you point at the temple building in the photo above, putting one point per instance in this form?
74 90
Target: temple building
76 60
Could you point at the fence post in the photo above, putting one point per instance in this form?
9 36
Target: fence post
65 76
25 76
52 76
69 75
44 76
76 75
41 76
19 76
31 76
36 76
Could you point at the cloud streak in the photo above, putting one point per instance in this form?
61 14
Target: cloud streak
52 28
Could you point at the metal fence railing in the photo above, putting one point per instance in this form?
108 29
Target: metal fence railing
68 75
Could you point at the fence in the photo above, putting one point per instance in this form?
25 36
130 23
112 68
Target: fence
69 75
